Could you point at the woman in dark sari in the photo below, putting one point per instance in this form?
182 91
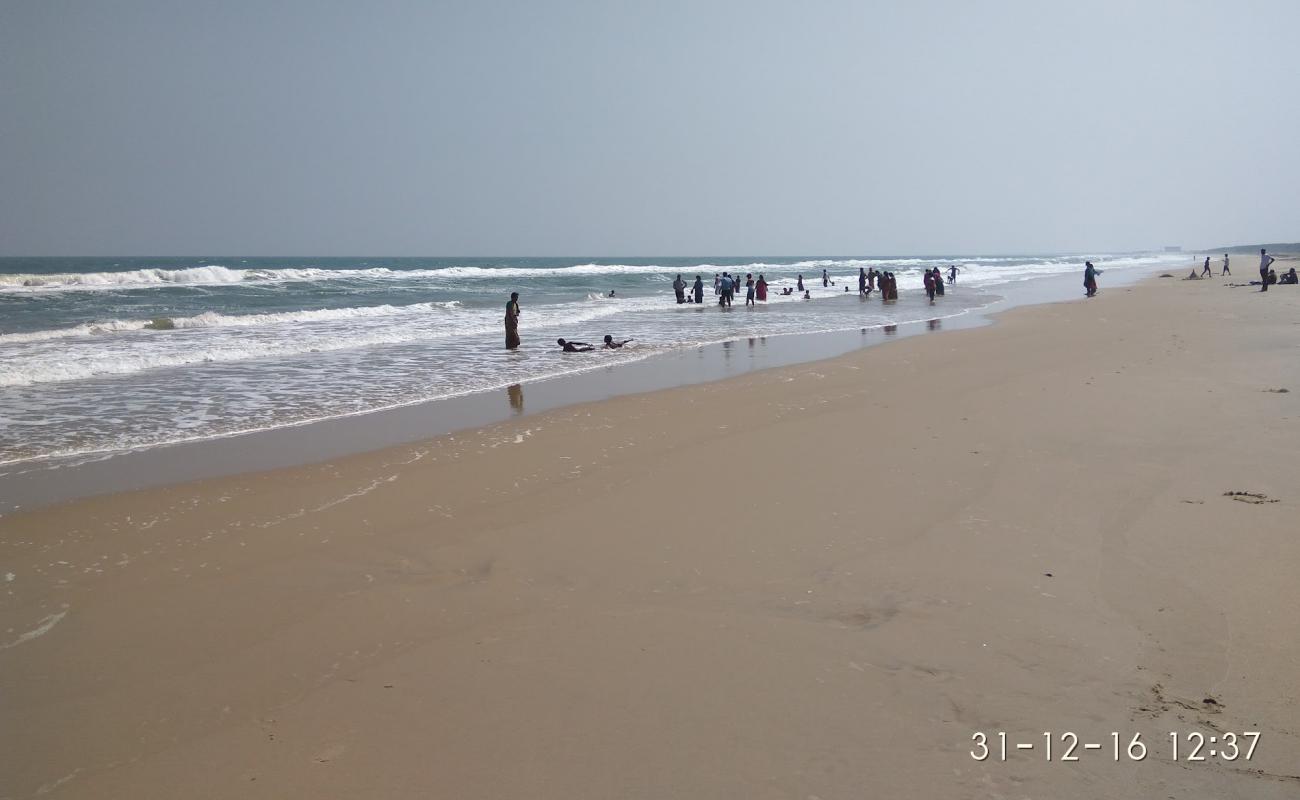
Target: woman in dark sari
512 322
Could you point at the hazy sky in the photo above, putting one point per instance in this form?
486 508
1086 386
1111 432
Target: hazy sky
658 127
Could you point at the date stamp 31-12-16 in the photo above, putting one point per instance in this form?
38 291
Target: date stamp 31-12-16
1192 746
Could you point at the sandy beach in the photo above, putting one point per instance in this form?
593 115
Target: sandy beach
817 581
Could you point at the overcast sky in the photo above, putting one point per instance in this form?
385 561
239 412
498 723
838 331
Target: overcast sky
653 128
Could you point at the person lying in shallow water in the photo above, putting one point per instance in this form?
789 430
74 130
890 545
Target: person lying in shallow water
574 347
610 344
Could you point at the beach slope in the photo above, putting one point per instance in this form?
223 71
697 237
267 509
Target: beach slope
816 581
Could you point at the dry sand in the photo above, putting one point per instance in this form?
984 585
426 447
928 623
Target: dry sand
817 581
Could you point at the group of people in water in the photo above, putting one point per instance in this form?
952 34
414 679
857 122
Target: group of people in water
725 287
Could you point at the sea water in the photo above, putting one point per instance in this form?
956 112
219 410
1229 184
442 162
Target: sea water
99 355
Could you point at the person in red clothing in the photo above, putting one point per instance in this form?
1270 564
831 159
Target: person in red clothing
760 289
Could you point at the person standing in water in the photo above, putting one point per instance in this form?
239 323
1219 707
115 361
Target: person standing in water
929 286
952 273
938 281
1206 272
699 290
749 289
862 281
760 288
1089 279
512 322
679 289
800 287
1265 261
826 279
872 275
1225 264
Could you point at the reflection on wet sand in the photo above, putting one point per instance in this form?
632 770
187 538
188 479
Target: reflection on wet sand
934 324
516 393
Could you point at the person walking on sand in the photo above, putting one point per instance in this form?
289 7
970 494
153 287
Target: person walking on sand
679 289
512 322
1089 279
749 289
760 288
826 279
699 290
1206 272
1265 261
1225 264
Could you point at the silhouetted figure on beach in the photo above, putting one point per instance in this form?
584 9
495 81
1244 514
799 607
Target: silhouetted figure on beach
800 286
872 276
938 281
826 279
952 273
1289 278
1090 279
574 347
679 289
699 290
728 289
749 289
862 282
1265 261
929 286
1206 272
1225 264
610 344
512 322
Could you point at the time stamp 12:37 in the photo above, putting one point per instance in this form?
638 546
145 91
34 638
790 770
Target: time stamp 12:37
1067 746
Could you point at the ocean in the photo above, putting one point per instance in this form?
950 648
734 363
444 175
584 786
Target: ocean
101 355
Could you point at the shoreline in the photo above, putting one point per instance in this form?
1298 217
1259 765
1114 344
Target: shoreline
37 483
821 579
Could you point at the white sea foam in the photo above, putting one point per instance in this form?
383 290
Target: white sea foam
220 275
58 356
213 319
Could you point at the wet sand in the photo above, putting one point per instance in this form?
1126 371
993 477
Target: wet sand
812 581
31 484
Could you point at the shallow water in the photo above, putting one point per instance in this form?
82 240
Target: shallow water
104 355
